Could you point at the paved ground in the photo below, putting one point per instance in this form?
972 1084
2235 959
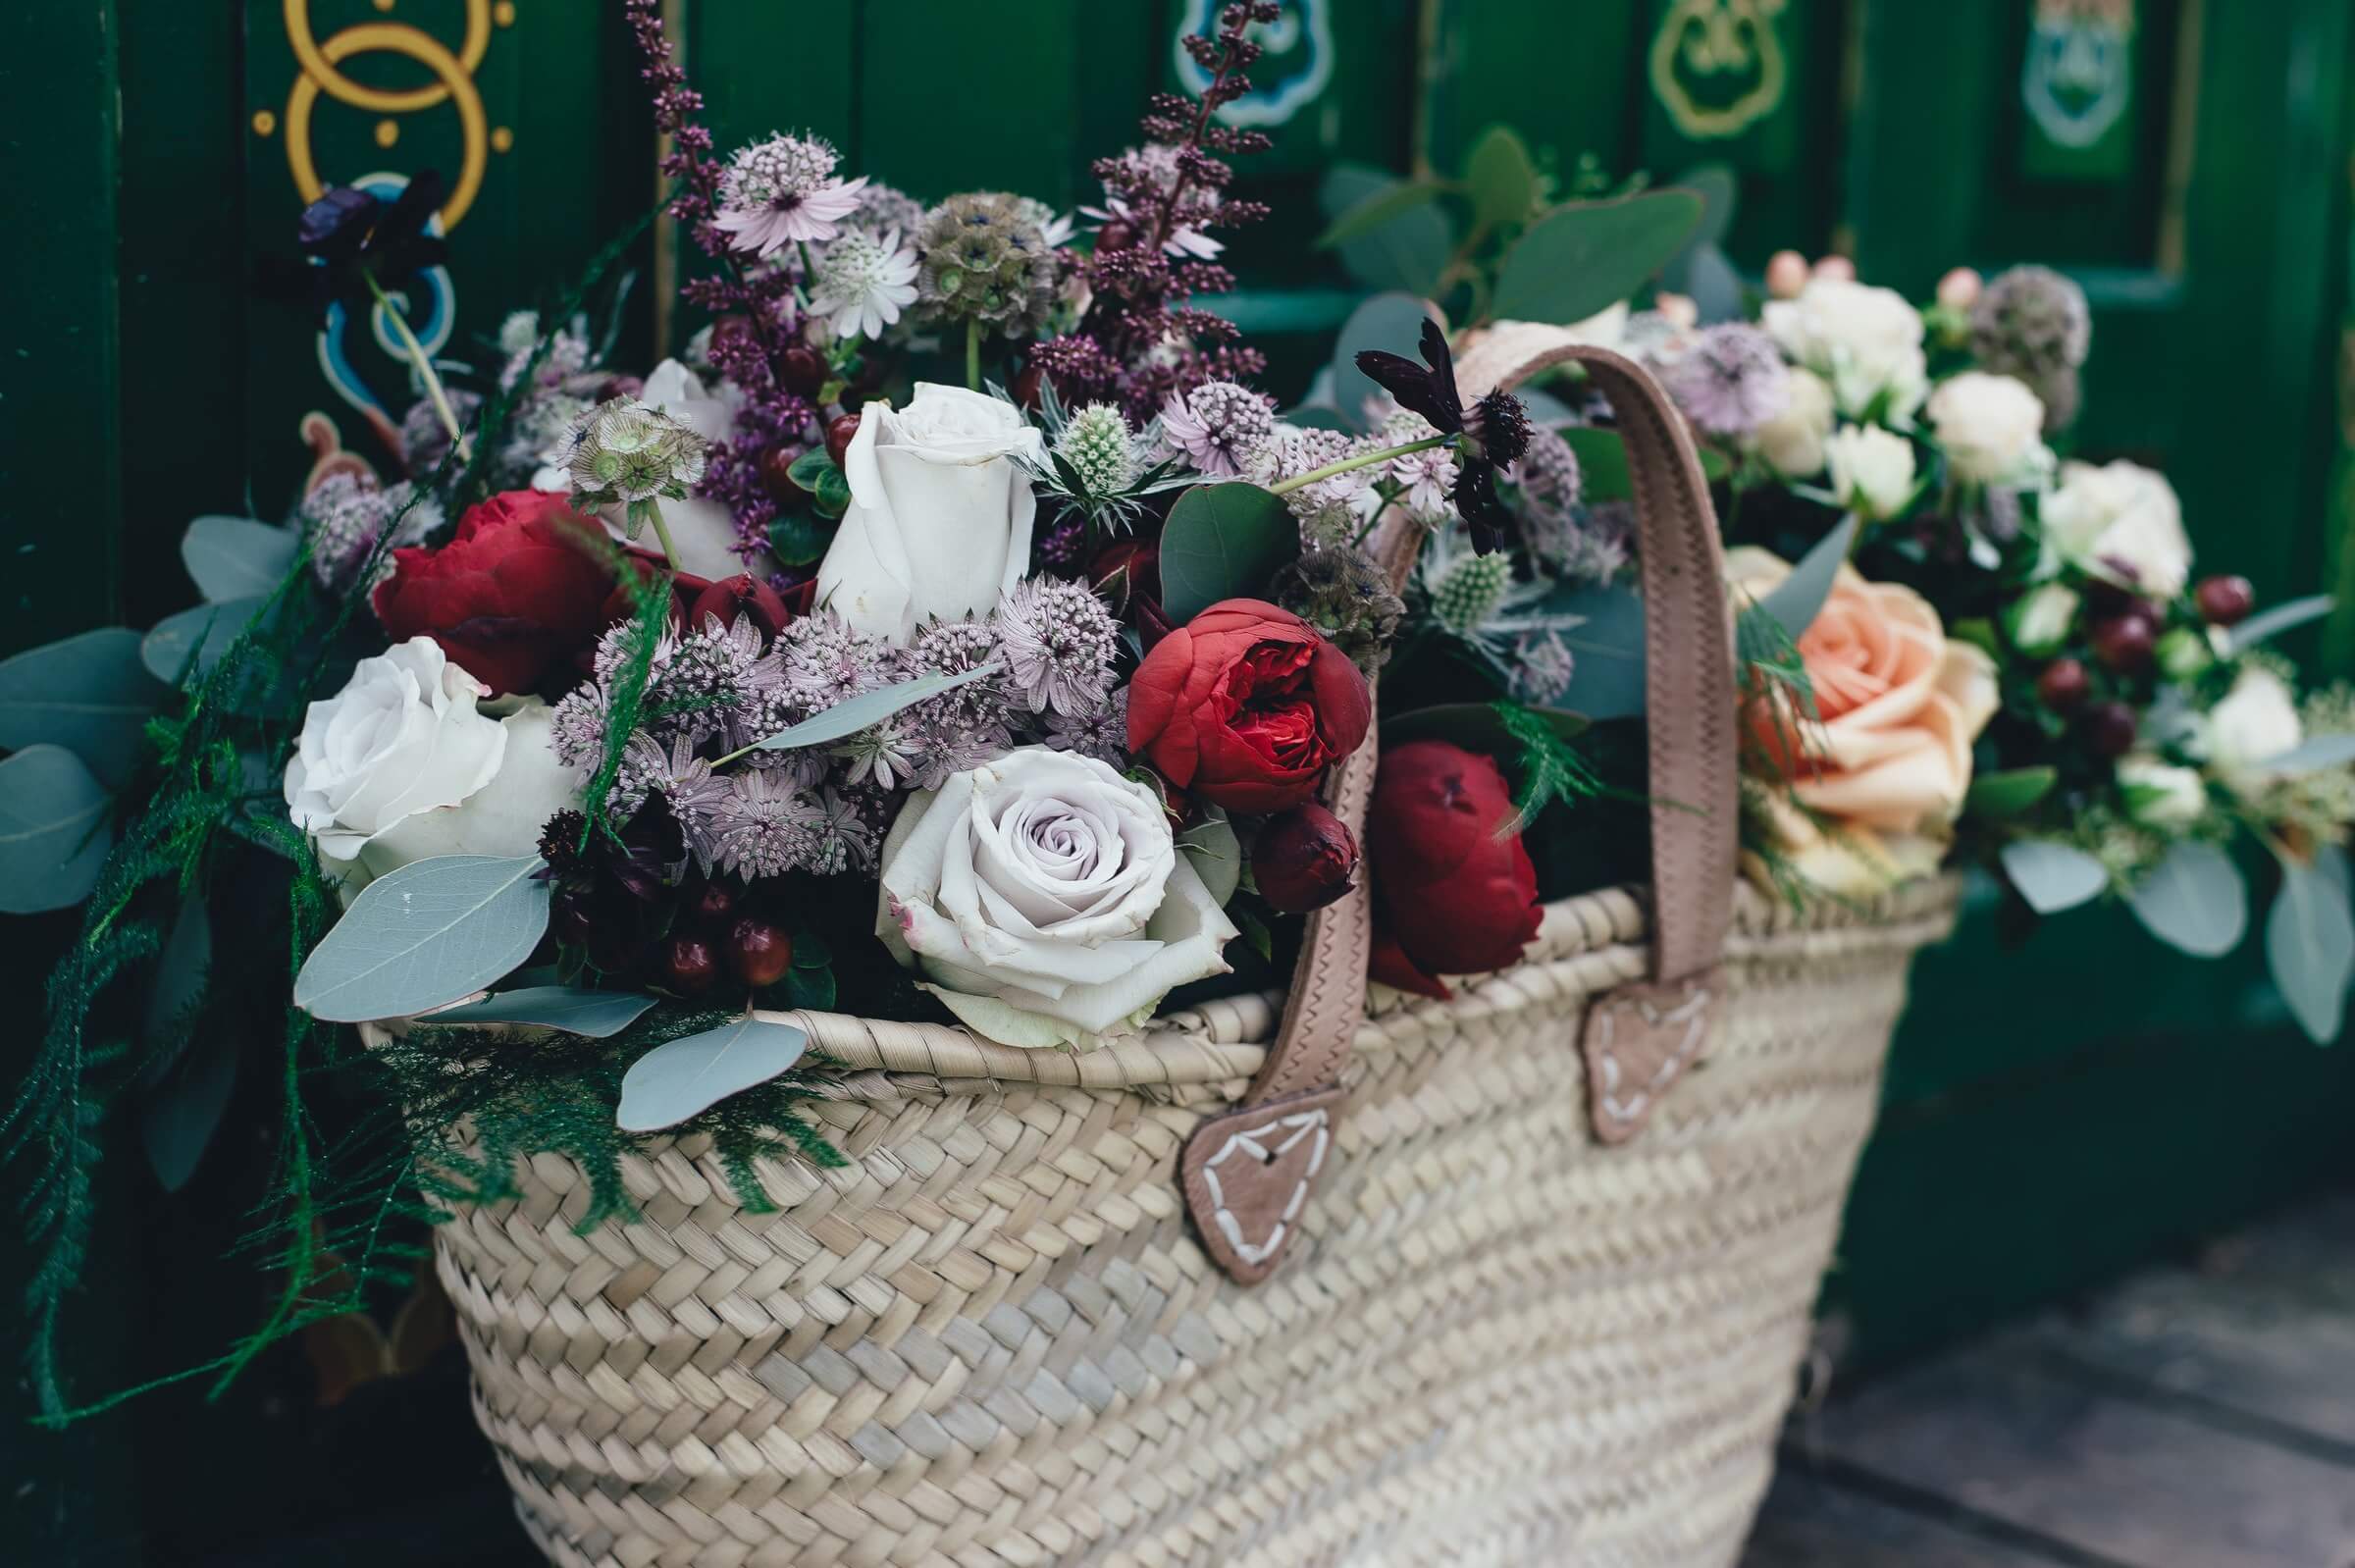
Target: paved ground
2193 1417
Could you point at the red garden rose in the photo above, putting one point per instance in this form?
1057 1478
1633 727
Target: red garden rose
519 587
1449 896
1245 705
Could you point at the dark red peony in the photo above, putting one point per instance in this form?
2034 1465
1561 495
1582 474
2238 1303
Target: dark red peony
519 589
1450 897
1246 705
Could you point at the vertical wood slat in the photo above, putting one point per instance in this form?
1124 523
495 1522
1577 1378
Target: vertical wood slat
955 96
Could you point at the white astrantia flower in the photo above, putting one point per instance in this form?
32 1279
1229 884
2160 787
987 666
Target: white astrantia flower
1866 342
2119 521
1043 900
1873 471
863 283
1992 429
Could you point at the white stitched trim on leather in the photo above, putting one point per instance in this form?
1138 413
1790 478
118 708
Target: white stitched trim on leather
1302 1125
1693 1013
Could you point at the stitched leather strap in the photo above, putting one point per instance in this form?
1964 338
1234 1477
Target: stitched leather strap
1639 1039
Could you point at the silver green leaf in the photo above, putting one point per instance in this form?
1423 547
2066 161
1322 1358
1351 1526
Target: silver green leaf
2194 899
2309 944
2274 622
2051 876
1216 852
1586 256
594 1013
425 935
236 557
89 694
1799 598
54 833
1223 541
867 709
674 1082
203 633
2312 754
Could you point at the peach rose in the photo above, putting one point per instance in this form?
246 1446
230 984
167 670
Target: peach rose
1900 706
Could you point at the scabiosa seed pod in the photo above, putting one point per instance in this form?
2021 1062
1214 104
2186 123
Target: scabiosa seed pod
1474 587
1343 593
623 451
1100 448
2032 323
1303 859
984 258
1731 381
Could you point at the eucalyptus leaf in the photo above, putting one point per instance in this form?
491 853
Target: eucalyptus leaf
2281 619
89 694
54 833
1391 322
424 935
683 1079
2311 754
867 709
2194 899
179 976
1377 207
1582 258
178 1120
1799 598
203 633
1502 180
1606 650
238 557
594 1014
1216 854
1719 189
2051 876
1223 541
1713 286
1409 252
2310 945
1996 796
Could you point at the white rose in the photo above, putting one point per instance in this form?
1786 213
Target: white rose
2254 722
1793 439
1865 341
502 812
1992 428
940 518
1873 470
673 388
2160 793
1043 898
2121 521
2040 620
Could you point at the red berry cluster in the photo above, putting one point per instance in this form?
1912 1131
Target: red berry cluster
717 935
2125 637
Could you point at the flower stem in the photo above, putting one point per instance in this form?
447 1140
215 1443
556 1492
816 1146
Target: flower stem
1373 522
670 551
972 354
425 366
1285 487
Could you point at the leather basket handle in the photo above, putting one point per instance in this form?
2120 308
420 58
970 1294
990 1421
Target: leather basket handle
1248 1172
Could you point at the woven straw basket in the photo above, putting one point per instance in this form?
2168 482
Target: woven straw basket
1039 1318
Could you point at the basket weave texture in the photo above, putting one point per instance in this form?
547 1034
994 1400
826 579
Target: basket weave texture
994 1339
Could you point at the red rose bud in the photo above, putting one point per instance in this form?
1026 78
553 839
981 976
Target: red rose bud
2109 729
740 595
839 431
2063 685
1303 859
1246 705
1450 896
2124 642
2225 601
520 587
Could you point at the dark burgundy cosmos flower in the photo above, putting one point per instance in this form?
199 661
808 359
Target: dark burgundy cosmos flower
1490 434
347 236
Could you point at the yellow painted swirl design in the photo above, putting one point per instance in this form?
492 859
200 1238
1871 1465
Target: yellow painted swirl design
454 81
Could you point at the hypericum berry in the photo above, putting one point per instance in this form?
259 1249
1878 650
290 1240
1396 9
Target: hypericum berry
2124 642
689 965
759 952
839 431
2225 601
776 469
804 370
2109 729
715 903
2063 685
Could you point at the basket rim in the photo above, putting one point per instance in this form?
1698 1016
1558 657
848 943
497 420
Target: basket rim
1225 1039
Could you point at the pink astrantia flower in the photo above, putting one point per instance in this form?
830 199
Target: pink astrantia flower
783 190
1218 425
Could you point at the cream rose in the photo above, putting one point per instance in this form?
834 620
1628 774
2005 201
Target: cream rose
1873 471
1043 898
2160 793
1792 441
2121 521
1992 428
940 517
2256 722
402 766
1867 342
2040 619
1900 703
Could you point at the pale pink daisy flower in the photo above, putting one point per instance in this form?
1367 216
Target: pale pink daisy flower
781 191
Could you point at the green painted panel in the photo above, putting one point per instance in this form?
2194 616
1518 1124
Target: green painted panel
1562 76
955 96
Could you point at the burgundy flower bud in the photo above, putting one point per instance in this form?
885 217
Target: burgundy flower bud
2124 642
1303 858
2225 601
2063 685
2109 729
839 431
741 595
